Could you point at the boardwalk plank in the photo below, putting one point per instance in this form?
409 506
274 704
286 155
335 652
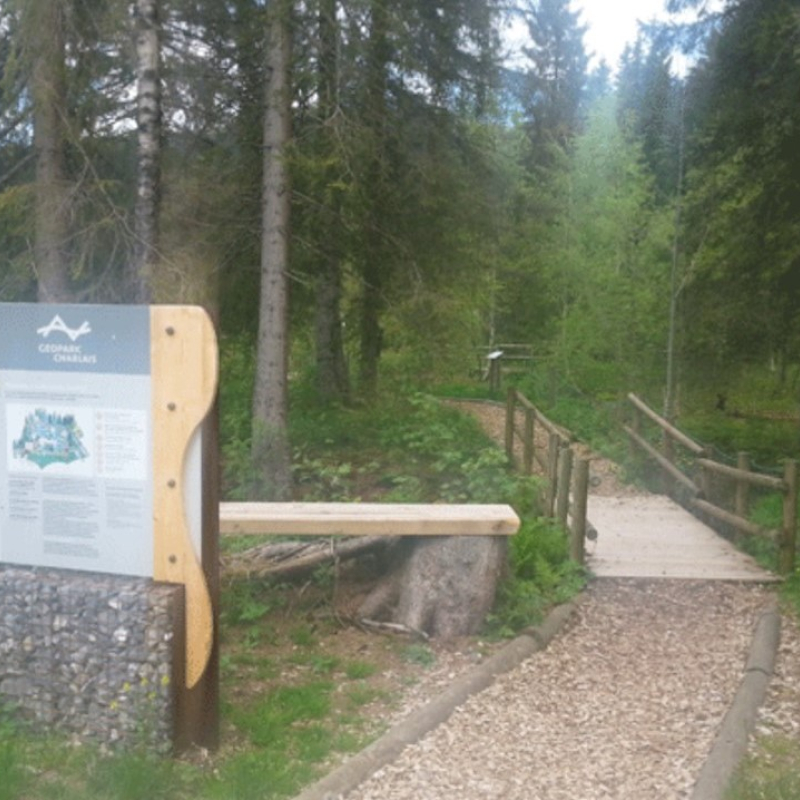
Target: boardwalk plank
653 537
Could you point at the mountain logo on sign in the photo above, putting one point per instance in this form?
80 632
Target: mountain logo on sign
58 325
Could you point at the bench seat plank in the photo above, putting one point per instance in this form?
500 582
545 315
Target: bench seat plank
367 519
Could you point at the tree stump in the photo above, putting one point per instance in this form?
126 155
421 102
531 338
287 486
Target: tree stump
443 586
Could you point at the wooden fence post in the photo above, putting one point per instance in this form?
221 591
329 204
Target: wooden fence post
553 443
577 539
494 374
511 410
789 532
564 483
742 503
636 427
667 484
527 442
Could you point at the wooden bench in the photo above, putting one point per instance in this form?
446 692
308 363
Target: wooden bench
440 586
367 519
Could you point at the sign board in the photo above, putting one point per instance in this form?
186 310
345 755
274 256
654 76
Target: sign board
100 467
75 438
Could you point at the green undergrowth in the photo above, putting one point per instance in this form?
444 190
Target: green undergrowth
541 576
772 774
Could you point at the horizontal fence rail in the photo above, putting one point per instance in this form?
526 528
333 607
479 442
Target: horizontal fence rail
566 488
698 485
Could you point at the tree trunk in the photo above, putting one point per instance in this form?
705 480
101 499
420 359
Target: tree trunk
375 258
332 376
49 89
271 455
371 331
441 586
333 380
148 99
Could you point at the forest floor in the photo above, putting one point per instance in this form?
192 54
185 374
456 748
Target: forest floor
623 705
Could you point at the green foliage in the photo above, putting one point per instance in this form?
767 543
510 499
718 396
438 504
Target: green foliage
245 602
767 441
790 591
772 773
542 575
12 768
742 204
12 755
133 776
258 775
360 696
270 722
237 358
403 450
449 456
355 670
419 654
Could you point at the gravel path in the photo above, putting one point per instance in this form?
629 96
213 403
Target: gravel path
624 705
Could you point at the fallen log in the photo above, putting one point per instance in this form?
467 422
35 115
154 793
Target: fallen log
297 558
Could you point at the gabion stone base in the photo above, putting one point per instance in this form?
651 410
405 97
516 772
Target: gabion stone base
89 655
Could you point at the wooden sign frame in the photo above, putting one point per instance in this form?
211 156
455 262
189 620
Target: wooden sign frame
184 374
132 389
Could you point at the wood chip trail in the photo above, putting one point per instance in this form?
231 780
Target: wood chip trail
624 705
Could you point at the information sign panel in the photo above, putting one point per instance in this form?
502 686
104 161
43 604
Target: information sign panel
76 437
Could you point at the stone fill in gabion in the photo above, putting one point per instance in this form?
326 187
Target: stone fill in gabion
89 655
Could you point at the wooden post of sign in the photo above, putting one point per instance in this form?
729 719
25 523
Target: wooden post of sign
184 380
494 373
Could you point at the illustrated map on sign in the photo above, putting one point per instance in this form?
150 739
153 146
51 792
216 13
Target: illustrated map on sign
49 438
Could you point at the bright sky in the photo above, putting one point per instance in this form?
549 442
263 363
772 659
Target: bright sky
613 23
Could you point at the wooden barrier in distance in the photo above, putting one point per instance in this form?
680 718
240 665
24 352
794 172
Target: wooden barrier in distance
495 361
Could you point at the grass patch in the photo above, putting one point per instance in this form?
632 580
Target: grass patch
772 774
419 654
358 670
359 696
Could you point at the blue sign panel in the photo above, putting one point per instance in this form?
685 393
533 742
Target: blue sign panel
76 437
75 338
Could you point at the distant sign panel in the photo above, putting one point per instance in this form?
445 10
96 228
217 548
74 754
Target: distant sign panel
75 438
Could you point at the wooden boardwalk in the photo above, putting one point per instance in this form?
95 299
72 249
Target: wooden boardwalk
654 537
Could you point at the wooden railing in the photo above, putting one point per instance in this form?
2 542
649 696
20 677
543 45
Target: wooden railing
566 486
696 484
